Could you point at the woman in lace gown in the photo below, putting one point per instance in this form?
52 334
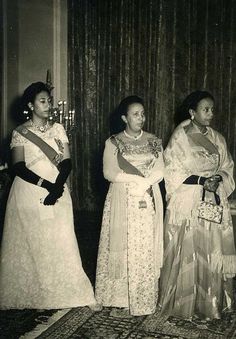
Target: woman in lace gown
199 256
40 264
130 249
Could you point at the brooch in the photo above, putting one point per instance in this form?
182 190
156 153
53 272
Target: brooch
59 145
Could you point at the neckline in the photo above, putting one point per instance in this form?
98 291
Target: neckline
41 129
133 137
198 127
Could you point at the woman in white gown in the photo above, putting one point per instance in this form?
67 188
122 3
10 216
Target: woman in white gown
40 261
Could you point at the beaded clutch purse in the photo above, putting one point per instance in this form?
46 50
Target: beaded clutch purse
209 211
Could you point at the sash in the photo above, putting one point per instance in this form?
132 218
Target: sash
126 166
49 151
201 140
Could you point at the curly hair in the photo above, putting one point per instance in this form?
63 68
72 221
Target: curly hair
31 92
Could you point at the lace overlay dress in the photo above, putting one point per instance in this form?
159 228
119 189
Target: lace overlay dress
136 287
40 261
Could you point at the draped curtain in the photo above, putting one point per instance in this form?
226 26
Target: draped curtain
160 50
1 62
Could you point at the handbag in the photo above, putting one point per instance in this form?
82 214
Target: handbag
209 211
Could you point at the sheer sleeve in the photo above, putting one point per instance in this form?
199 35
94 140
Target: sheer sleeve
110 164
61 133
157 172
176 157
17 139
226 169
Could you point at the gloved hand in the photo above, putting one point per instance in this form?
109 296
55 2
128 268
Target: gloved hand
56 189
53 196
49 186
211 184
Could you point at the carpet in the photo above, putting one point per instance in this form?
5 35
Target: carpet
14 323
112 323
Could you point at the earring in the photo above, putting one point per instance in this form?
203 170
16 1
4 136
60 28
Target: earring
32 108
26 114
192 117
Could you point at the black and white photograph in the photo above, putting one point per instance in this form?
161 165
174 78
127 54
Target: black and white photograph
117 175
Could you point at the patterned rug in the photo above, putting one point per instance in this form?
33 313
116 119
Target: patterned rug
14 323
113 323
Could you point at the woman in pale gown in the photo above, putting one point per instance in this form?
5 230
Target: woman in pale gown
131 240
199 256
40 264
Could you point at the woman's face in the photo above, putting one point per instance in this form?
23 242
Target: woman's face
204 112
135 118
41 105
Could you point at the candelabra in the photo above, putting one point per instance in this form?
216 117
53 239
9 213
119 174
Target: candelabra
61 113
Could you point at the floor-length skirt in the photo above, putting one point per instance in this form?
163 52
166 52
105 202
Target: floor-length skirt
196 277
137 289
40 260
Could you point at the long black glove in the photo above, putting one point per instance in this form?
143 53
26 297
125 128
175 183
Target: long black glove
26 174
195 180
64 171
210 184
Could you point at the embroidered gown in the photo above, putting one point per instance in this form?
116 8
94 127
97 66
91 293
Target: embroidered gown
199 256
131 240
40 261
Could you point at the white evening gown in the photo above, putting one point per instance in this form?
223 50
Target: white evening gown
40 261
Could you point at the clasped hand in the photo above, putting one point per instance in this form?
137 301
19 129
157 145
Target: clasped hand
55 192
212 183
139 186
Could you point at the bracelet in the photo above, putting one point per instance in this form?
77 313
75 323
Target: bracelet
39 183
198 180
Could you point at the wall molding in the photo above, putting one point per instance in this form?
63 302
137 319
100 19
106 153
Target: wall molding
60 50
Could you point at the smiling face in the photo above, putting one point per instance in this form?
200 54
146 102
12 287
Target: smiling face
203 114
134 118
41 105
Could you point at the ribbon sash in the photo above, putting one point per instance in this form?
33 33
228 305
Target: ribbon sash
200 140
49 151
124 164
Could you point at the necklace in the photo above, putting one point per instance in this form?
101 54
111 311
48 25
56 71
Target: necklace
203 129
42 129
133 137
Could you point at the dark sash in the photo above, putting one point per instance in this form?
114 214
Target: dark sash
50 152
126 166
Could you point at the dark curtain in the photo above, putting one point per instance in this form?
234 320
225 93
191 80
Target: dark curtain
1 63
160 50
